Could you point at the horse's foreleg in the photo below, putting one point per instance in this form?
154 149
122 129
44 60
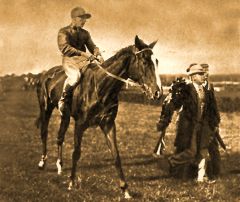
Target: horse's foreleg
60 139
78 133
44 118
110 133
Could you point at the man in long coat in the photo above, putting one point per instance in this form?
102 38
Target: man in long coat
197 123
214 164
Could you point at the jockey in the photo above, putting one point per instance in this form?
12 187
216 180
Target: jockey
72 42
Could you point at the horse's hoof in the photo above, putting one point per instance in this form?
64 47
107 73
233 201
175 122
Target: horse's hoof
79 182
74 184
42 162
70 185
155 155
127 195
59 166
41 165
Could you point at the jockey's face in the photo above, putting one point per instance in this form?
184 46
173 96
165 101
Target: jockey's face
79 21
198 78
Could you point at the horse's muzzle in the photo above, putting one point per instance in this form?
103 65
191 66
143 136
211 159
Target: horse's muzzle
152 94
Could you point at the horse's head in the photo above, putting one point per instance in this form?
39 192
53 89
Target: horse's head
179 91
144 71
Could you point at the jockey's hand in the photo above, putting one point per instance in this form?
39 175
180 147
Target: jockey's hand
92 58
86 55
100 59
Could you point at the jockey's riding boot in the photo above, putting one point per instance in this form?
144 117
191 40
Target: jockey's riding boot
65 100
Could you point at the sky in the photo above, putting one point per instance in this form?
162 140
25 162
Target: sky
188 31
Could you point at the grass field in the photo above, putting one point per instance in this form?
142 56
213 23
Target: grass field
20 151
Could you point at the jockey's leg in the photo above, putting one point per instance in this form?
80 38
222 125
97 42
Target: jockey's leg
64 101
73 76
64 107
72 67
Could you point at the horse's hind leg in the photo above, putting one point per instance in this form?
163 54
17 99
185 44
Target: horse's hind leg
60 139
110 134
44 119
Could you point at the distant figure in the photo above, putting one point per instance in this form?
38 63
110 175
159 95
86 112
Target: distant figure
197 123
72 42
214 165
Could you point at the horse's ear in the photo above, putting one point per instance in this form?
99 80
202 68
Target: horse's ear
151 45
139 43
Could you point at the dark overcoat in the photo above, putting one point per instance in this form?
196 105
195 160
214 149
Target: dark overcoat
183 98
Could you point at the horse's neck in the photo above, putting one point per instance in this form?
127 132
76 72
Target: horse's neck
107 85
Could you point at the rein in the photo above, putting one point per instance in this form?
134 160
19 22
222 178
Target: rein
127 81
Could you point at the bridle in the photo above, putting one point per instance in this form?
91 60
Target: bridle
144 49
127 81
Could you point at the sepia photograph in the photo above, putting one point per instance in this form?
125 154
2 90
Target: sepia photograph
119 100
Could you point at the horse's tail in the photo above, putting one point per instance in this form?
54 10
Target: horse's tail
44 88
42 99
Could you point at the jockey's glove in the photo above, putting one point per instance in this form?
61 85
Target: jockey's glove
100 59
84 54
92 58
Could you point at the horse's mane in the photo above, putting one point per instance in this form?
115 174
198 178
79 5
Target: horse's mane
127 50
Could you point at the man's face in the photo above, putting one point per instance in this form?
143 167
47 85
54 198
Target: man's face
198 78
79 21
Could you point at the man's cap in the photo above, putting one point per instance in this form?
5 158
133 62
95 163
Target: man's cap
195 69
79 12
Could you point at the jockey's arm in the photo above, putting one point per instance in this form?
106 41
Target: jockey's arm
94 49
67 49
64 45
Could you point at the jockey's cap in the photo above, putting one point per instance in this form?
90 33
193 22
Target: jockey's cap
79 12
